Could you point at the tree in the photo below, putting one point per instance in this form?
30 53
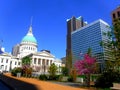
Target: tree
26 60
26 69
89 52
112 47
65 71
52 70
86 66
69 62
116 31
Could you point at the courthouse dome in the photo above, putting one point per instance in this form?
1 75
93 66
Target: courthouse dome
29 37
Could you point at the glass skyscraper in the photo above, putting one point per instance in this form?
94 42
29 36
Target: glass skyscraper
90 36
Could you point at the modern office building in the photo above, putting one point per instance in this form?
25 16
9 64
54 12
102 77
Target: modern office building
90 36
72 25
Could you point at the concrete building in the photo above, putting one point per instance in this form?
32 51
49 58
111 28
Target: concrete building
90 36
8 62
15 50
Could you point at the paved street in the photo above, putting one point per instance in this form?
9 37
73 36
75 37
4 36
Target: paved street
3 87
67 83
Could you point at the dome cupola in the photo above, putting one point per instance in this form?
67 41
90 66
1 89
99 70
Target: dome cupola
29 37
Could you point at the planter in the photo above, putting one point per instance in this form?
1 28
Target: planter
78 79
116 86
64 78
18 75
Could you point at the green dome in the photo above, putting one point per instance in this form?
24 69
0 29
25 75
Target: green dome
29 38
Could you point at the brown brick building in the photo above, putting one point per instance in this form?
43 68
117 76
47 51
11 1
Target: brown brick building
72 25
115 14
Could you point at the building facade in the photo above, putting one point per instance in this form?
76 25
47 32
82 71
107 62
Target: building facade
41 60
72 25
90 36
115 14
15 50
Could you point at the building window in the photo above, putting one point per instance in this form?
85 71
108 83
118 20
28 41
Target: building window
50 62
34 60
6 60
118 13
2 60
15 63
114 16
6 68
18 63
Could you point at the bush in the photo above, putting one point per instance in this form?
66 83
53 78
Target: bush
56 77
26 71
15 71
64 71
107 78
60 78
70 79
101 82
43 77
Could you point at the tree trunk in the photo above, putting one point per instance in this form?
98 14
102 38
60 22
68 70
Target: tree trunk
87 81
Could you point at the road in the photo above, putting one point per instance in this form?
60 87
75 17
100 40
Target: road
3 87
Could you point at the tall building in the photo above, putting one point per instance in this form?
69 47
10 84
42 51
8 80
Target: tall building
90 36
15 50
115 14
116 31
72 25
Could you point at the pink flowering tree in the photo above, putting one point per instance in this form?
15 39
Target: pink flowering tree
86 66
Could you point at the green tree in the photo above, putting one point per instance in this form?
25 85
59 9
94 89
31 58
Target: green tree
116 29
26 69
26 60
89 52
65 71
69 62
52 70
112 47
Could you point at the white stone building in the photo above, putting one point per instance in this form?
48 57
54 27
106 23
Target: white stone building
28 47
8 62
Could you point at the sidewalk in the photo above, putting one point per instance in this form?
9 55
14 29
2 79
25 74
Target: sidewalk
34 84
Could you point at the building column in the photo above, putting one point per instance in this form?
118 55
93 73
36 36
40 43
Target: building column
41 65
45 65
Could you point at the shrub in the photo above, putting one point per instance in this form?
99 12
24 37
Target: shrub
43 77
70 79
15 71
64 71
56 77
60 77
107 78
26 71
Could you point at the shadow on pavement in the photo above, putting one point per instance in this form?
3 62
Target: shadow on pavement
15 84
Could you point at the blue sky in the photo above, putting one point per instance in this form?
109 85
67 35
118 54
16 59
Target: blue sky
49 20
